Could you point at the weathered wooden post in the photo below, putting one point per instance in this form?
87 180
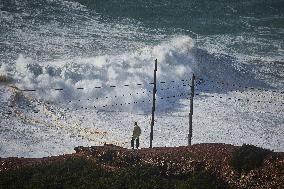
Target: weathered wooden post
191 110
154 103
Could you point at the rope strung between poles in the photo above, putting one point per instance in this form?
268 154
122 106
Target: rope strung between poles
176 96
202 81
199 81
99 87
177 85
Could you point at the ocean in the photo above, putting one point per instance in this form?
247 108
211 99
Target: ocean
80 73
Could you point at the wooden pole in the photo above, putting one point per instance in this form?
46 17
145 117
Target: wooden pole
191 111
154 103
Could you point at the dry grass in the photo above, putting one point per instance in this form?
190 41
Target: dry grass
4 79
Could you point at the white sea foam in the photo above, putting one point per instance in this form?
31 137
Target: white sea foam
66 45
175 62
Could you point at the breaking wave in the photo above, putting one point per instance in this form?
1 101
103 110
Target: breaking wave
177 59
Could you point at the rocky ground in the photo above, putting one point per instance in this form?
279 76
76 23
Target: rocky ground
174 161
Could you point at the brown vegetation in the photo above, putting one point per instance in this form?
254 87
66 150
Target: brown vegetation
4 79
207 163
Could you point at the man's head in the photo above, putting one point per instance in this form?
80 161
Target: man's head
135 123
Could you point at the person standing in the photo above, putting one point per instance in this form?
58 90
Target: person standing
135 135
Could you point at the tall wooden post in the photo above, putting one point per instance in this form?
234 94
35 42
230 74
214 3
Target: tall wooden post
191 110
154 103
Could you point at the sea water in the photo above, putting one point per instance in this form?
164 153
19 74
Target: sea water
100 56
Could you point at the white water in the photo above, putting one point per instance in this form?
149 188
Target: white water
61 123
91 52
